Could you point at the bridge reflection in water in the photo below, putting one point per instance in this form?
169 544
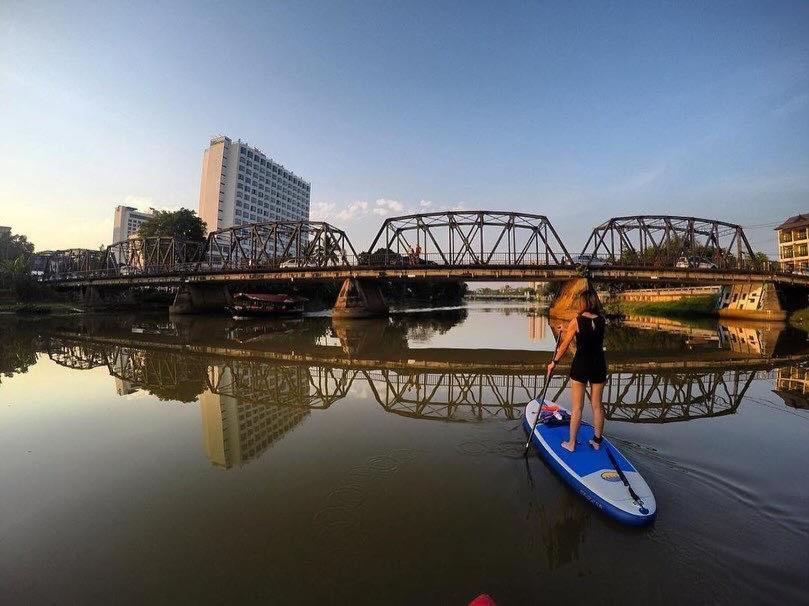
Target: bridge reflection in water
247 404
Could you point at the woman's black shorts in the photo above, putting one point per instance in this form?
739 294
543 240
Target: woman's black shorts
589 370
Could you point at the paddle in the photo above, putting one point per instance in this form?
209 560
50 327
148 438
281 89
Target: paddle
638 501
548 376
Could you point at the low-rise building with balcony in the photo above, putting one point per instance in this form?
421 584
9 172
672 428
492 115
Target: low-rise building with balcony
793 242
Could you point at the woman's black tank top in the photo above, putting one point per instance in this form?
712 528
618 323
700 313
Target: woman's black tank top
590 337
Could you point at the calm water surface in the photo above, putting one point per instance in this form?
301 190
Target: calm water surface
310 462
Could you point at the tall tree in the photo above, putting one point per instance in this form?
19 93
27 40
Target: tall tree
14 246
183 224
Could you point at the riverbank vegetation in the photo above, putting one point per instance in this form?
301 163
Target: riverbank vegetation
183 224
20 291
691 306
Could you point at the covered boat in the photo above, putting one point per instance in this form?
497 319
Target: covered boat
247 305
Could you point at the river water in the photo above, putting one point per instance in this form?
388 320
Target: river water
199 460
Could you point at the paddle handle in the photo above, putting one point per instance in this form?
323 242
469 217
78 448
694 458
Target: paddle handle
548 376
539 412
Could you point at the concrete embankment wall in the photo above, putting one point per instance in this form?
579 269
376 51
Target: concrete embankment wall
654 295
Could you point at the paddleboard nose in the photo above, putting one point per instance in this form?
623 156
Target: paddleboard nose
484 599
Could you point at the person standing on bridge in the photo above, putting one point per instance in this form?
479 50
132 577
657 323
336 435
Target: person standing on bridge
589 365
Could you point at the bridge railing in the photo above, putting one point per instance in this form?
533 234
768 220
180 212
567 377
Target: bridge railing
694 264
425 260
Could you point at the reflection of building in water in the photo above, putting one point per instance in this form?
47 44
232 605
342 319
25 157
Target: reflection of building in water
124 387
747 338
121 366
758 339
235 431
792 385
536 327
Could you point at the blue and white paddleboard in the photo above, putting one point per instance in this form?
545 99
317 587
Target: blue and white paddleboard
591 472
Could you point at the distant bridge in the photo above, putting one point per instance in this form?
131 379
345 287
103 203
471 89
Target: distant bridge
462 245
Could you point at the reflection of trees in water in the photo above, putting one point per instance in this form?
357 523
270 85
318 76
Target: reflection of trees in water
369 337
17 350
292 332
624 337
166 375
387 336
421 327
212 330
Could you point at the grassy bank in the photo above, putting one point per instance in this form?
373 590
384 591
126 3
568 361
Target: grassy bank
39 309
692 306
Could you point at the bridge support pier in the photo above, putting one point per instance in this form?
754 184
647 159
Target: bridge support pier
200 298
764 301
95 298
566 304
360 298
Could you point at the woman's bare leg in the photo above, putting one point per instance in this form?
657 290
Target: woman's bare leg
596 391
577 401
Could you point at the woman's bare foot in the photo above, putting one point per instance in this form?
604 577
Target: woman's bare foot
569 446
595 445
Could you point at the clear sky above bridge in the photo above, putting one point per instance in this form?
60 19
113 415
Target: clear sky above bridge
580 111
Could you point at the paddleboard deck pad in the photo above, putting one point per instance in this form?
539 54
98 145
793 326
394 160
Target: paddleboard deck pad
590 472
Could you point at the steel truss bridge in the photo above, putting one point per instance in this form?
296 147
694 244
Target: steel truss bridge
451 394
463 245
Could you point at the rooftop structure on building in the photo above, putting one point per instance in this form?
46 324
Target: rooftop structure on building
801 220
241 185
126 222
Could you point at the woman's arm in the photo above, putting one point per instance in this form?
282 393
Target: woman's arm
564 343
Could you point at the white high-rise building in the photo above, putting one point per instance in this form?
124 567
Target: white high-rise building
242 185
127 221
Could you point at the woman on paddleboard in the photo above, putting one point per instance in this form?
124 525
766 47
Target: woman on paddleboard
589 365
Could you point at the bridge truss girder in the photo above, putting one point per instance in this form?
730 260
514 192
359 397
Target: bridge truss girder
310 244
462 238
657 239
73 261
75 356
151 255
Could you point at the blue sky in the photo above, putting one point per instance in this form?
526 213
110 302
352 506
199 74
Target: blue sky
579 111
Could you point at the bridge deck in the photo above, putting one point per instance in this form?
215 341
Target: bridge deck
470 273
